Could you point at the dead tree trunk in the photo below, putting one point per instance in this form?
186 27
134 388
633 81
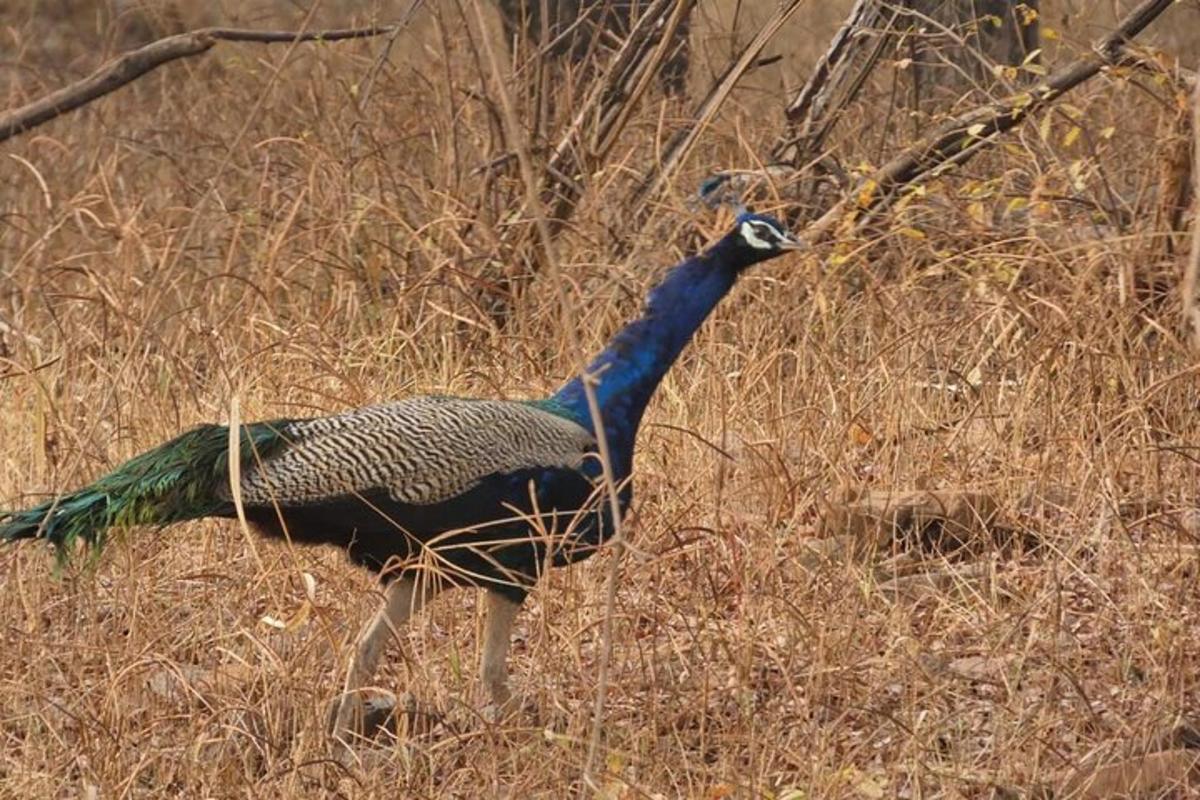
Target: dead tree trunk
958 45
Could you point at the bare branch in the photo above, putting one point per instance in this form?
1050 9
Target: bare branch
956 141
862 16
269 37
132 65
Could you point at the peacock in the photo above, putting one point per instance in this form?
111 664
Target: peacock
431 492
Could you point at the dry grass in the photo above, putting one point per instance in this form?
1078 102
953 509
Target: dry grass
235 227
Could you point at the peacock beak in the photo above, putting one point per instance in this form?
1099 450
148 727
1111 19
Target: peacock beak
792 242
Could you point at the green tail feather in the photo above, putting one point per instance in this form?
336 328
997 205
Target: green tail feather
185 478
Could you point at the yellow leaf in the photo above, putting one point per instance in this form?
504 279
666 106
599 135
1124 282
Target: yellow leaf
977 212
1050 34
1076 170
864 785
1044 127
867 191
612 790
981 189
859 434
1072 136
1108 132
976 129
1004 72
1074 112
911 233
554 737
1016 204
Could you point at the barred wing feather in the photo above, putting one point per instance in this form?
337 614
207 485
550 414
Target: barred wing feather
421 450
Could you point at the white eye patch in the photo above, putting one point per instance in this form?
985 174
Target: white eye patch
759 235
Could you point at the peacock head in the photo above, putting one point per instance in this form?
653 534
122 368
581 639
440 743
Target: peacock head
758 237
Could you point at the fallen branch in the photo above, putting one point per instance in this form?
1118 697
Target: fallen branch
132 65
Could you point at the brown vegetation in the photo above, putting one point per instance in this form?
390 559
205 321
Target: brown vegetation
259 225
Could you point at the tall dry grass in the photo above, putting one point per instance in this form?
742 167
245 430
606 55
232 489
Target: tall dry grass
243 226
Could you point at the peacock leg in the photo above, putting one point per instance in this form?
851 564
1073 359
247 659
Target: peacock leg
403 597
498 625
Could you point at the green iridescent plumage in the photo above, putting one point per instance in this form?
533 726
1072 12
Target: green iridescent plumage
185 478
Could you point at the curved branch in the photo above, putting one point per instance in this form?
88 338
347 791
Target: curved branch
132 65
269 37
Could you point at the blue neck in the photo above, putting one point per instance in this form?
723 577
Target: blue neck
637 358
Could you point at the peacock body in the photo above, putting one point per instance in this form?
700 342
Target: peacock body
484 492
467 476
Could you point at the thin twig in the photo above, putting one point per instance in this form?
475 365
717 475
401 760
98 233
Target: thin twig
807 113
614 97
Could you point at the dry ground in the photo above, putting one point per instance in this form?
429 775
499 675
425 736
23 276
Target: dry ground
236 227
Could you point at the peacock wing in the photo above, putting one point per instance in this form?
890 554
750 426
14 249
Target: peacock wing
421 451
